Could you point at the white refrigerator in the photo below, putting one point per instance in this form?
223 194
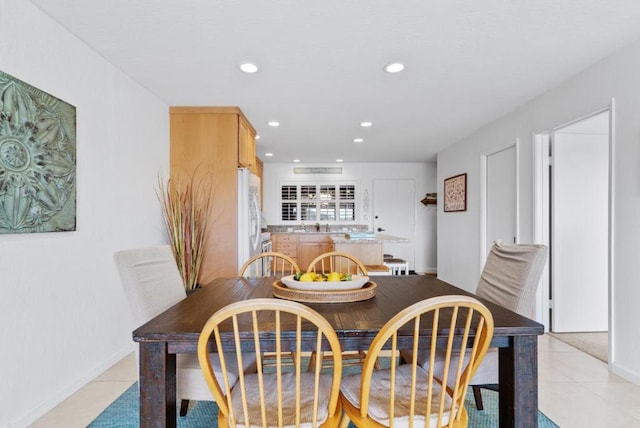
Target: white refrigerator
249 216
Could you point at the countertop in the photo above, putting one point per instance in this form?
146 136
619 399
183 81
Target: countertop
380 238
339 237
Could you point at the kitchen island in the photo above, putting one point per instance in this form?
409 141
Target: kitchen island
370 251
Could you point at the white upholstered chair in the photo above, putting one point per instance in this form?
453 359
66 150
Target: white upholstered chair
152 284
510 279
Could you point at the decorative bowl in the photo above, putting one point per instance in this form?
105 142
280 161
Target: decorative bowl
357 281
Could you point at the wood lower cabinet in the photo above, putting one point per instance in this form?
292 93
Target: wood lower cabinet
287 244
310 247
303 248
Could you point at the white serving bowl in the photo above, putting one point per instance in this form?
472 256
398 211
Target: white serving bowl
357 281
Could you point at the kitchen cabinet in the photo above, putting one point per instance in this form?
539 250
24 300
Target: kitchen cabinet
287 244
207 141
246 145
311 246
302 247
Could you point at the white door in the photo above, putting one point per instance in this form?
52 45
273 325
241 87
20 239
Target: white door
501 202
394 213
579 231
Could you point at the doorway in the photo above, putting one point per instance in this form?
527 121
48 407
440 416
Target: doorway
499 177
572 217
394 213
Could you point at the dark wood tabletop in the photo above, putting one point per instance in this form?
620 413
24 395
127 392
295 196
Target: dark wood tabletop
356 323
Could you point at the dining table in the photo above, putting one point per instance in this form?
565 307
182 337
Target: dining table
177 330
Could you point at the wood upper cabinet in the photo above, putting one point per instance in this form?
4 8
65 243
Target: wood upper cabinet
207 140
246 145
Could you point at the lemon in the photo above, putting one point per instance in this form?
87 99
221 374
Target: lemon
333 276
306 277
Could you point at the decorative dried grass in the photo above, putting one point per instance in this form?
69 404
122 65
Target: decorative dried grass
185 206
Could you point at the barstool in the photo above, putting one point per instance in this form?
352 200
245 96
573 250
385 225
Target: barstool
378 270
397 266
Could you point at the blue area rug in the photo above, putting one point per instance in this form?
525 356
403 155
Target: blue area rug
125 413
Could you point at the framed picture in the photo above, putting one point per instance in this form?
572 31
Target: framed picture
455 193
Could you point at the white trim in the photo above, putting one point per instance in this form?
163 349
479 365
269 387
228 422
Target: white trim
611 356
540 225
57 397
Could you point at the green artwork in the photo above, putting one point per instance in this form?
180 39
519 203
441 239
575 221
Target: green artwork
37 160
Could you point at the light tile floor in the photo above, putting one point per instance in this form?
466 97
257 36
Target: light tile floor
575 390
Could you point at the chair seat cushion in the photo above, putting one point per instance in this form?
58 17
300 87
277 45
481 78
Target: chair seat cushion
379 397
288 400
190 384
486 374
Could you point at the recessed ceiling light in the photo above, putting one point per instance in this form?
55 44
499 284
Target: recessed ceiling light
394 67
358 140
339 160
248 67
268 154
274 123
296 160
366 124
257 137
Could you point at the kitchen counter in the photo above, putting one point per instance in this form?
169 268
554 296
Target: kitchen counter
369 251
379 239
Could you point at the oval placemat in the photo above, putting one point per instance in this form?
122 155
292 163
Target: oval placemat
367 292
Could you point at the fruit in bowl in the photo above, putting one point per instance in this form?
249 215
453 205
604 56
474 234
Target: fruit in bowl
333 281
320 277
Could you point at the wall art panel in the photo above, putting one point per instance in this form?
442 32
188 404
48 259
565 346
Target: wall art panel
37 160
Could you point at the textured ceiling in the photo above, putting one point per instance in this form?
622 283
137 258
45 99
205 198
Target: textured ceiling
467 63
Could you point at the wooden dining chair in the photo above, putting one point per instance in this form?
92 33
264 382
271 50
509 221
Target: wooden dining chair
285 397
336 261
407 394
278 265
152 284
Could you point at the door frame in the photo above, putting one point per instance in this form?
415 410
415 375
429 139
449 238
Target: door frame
484 159
541 223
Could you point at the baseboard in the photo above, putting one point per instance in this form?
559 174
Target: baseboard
62 394
630 375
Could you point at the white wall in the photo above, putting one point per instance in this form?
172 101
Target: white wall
63 316
590 91
424 175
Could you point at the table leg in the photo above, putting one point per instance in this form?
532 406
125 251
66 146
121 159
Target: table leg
157 385
518 394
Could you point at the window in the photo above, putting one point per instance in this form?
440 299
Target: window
318 203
